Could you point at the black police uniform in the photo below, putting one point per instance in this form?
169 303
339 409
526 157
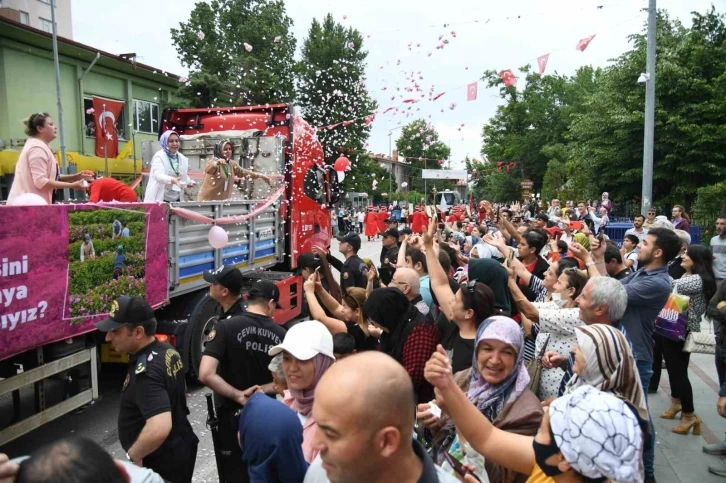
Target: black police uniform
240 344
154 385
353 272
236 309
386 271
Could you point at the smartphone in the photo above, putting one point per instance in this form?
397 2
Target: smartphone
458 467
441 226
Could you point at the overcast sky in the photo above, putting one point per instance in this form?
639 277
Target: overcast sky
489 35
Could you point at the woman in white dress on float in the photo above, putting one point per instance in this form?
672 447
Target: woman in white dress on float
169 171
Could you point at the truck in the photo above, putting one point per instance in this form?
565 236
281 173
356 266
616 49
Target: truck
53 288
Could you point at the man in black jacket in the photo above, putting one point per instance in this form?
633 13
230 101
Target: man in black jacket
353 272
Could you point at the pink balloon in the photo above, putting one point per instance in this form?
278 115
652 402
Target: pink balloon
29 199
218 237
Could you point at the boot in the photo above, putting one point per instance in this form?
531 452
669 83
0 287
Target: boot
716 449
688 421
672 411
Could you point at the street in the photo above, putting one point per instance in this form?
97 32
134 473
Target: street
98 421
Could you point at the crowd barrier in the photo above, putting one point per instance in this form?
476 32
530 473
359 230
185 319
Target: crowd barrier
616 232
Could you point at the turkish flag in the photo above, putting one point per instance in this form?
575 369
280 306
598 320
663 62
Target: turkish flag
107 112
508 77
542 63
471 91
583 43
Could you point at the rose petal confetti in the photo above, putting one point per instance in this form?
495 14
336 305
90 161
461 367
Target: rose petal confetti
351 45
277 39
200 34
183 79
248 47
90 111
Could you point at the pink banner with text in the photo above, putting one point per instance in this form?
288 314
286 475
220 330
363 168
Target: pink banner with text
61 266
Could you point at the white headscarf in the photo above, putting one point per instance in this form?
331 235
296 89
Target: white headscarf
598 434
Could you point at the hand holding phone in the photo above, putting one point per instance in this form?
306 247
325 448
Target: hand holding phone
458 467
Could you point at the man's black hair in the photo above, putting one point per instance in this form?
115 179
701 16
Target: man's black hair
343 343
567 262
417 256
535 240
507 210
543 217
667 241
445 261
612 253
459 225
639 216
69 460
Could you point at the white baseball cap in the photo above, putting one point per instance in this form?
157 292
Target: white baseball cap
306 340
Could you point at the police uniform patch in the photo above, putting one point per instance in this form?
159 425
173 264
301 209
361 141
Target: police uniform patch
141 366
212 335
346 275
126 382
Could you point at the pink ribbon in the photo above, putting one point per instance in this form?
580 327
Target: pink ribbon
192 215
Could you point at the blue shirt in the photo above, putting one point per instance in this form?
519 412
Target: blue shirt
648 292
426 291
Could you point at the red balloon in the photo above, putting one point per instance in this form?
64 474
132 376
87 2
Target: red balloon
342 164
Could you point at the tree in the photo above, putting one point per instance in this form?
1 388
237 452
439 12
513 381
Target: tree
499 186
213 44
419 144
690 124
331 89
361 178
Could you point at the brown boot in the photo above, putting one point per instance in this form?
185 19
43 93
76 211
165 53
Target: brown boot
688 421
672 411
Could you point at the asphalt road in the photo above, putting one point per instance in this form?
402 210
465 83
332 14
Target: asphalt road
98 420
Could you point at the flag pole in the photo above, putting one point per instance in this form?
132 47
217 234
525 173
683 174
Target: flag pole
105 141
56 64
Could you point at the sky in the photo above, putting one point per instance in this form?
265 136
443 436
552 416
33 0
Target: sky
494 35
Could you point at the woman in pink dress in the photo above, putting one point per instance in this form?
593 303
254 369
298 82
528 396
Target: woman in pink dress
37 169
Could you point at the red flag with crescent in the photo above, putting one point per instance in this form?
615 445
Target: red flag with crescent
542 62
508 77
107 113
471 91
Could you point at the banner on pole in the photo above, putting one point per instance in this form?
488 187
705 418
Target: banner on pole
444 174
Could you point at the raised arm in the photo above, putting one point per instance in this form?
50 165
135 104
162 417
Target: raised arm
510 450
439 280
316 311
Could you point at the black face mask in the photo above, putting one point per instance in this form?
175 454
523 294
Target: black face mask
541 453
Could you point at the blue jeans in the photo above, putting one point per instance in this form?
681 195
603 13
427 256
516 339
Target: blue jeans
645 371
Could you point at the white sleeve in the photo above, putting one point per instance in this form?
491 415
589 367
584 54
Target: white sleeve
559 321
158 170
82 257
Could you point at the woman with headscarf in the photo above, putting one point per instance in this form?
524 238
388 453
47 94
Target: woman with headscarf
603 360
220 171
498 388
464 306
87 250
271 438
307 352
169 171
585 435
118 262
407 336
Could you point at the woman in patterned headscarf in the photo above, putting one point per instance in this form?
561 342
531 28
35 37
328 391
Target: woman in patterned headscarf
220 171
169 171
498 387
603 359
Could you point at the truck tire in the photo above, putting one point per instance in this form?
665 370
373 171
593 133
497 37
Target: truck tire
202 321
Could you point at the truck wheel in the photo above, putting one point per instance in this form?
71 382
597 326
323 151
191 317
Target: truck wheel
202 320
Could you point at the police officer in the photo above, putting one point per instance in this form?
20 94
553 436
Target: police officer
152 423
234 366
225 286
353 272
390 244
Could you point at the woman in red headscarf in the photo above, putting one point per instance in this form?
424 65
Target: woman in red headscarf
371 222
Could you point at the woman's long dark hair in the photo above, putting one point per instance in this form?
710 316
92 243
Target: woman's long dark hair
703 266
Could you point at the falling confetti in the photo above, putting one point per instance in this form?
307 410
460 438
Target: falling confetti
183 79
90 111
200 34
351 45
277 39
248 47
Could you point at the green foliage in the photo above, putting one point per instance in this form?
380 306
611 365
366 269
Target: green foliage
132 244
98 300
88 217
331 89
710 204
100 231
361 177
94 274
223 73
498 186
419 144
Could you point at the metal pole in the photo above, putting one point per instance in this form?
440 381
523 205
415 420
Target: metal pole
64 162
425 192
648 137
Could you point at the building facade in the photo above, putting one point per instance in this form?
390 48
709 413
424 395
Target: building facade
37 14
27 85
400 171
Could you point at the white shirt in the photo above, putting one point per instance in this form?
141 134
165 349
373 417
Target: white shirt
641 234
159 186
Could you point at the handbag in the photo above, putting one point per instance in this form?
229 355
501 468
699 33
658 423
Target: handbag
534 367
701 342
672 321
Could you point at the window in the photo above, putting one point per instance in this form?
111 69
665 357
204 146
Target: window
46 25
146 116
24 18
90 121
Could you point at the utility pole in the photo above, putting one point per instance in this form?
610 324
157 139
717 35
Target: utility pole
649 134
64 162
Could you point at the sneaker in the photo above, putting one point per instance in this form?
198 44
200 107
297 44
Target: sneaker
717 470
716 449
650 479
